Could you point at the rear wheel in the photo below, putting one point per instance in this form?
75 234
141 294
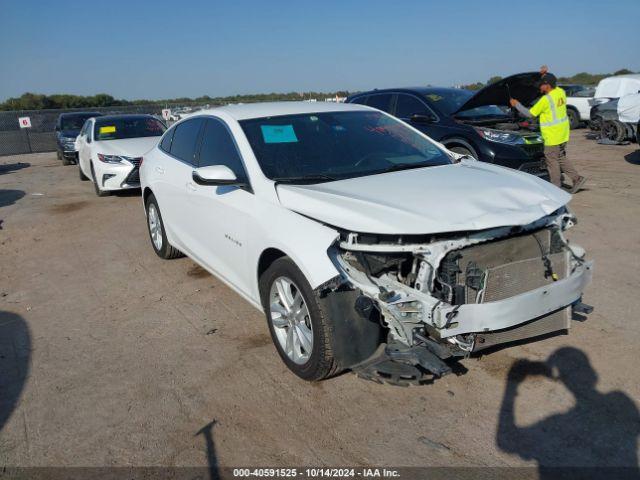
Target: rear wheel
574 118
157 233
299 328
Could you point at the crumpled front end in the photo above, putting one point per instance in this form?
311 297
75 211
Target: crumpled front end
450 295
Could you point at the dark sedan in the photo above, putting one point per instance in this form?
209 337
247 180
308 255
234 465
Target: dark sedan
478 124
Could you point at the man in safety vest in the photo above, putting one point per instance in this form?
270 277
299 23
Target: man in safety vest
554 127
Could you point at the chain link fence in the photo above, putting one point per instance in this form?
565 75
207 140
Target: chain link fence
41 136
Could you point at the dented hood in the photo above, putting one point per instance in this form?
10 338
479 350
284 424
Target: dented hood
466 196
522 86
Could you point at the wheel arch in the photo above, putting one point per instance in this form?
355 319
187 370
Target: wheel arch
146 193
460 142
266 259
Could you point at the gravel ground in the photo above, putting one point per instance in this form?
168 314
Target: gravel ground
111 356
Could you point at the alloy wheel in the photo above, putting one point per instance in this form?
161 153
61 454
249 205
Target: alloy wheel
291 320
155 228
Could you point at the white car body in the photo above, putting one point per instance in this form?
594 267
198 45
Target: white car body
615 87
582 105
230 231
111 176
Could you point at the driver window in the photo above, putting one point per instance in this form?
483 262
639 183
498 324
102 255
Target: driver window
218 148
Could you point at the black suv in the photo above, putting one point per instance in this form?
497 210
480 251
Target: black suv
479 124
67 129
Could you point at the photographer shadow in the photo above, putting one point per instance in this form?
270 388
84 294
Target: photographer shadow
15 359
597 438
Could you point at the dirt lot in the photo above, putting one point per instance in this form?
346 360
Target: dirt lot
111 356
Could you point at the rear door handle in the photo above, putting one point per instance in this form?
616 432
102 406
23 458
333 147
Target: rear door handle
191 186
159 169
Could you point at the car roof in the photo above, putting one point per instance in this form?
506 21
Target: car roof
76 114
124 116
421 90
275 109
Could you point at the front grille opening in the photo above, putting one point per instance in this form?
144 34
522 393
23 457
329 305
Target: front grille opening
501 269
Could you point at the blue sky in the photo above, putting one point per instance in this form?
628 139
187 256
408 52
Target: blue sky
161 49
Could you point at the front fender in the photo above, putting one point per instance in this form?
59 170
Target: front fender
302 239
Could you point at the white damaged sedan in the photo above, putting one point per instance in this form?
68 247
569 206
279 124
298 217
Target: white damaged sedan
367 245
110 150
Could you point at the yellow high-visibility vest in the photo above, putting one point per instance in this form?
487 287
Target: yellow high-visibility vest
554 122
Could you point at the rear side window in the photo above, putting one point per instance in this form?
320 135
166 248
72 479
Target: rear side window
408 105
218 148
185 140
381 101
360 100
165 144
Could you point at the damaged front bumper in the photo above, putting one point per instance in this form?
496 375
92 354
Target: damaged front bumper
512 311
529 295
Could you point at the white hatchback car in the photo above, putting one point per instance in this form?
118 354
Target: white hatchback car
110 150
367 245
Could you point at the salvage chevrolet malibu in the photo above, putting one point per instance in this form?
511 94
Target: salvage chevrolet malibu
367 245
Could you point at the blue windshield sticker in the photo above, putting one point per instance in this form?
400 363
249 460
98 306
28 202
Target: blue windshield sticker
278 134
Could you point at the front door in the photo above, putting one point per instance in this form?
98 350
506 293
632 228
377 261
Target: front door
222 214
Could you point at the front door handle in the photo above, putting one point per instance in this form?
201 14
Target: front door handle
191 186
159 169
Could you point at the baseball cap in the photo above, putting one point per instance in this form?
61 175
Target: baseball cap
549 78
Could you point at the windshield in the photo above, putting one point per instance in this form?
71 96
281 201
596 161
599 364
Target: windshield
448 101
127 127
318 147
73 123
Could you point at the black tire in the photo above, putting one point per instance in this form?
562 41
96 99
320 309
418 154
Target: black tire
99 192
463 151
321 363
167 251
614 130
81 174
574 118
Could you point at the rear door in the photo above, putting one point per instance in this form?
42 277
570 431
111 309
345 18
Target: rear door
381 101
172 173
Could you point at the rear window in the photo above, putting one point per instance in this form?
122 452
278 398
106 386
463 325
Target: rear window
127 127
74 122
381 101
185 139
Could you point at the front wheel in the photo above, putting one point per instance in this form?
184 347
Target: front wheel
99 191
463 151
299 328
614 131
83 177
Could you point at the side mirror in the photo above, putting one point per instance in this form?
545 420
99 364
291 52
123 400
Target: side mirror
215 175
422 118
